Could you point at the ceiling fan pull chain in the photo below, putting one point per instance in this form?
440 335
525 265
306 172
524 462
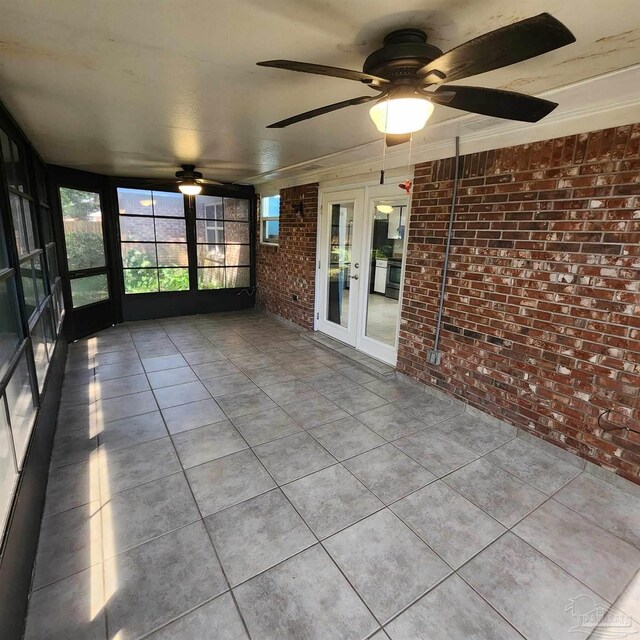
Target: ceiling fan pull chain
407 184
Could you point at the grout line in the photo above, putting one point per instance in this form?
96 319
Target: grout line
224 574
387 506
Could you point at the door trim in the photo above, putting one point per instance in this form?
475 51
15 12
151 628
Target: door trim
385 353
348 334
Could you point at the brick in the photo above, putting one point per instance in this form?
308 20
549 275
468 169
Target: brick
290 268
542 314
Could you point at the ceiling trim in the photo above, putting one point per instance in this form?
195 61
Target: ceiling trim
580 111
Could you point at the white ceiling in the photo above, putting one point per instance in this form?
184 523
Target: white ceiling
136 87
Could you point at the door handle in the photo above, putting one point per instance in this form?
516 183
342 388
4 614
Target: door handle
354 277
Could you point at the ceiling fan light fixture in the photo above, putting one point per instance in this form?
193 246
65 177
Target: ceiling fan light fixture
401 115
384 208
190 187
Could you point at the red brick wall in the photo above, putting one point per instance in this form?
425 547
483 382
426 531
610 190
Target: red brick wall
542 312
289 270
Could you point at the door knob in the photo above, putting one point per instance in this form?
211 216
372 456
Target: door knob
354 277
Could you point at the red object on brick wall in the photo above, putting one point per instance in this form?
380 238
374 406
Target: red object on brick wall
541 322
289 269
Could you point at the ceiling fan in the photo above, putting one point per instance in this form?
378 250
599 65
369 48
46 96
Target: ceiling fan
189 181
406 68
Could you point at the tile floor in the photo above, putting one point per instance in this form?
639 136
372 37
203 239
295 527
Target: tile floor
220 477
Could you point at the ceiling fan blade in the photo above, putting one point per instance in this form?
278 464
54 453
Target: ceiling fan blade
496 103
320 111
217 183
322 70
392 139
500 48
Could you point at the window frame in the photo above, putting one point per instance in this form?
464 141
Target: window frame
219 224
262 219
155 242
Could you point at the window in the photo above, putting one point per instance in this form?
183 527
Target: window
270 220
24 364
82 220
8 471
224 250
153 241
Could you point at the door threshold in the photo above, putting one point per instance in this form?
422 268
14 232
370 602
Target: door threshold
351 356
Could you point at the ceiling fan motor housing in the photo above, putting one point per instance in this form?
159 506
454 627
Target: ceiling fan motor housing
404 52
188 172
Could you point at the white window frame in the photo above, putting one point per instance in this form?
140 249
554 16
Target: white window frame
263 218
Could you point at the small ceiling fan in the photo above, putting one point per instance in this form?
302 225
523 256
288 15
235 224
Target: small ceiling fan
406 68
189 181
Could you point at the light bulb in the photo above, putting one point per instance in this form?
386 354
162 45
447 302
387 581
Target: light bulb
384 208
190 188
401 115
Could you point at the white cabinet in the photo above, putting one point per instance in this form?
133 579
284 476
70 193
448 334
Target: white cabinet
380 280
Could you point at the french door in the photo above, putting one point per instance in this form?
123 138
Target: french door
361 259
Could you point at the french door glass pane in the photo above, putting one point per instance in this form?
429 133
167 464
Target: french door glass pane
386 247
210 255
9 328
339 261
21 408
138 254
172 255
89 289
82 219
141 281
173 279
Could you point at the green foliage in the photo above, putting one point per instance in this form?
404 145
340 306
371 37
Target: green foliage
174 279
141 277
78 205
85 250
